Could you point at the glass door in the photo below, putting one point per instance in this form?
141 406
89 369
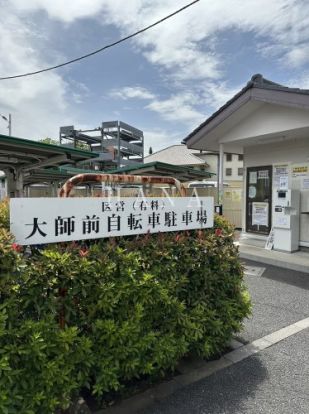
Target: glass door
258 199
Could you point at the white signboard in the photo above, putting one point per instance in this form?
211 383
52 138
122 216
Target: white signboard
260 214
270 240
50 220
284 182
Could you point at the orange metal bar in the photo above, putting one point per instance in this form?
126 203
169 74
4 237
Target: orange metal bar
118 178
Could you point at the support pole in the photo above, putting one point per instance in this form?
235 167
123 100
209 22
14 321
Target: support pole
15 183
19 184
221 162
218 178
54 188
118 143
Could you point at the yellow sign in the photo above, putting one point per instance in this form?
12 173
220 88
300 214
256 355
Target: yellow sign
300 170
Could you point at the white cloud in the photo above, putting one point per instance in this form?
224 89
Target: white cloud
178 107
184 44
79 91
132 92
298 56
183 48
215 95
159 138
38 104
300 81
57 9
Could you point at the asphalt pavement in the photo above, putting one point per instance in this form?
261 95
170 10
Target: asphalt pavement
275 380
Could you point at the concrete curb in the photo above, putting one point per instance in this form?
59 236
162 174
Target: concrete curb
240 352
273 258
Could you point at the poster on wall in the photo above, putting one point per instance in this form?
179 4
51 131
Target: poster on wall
284 182
263 174
253 177
281 176
260 214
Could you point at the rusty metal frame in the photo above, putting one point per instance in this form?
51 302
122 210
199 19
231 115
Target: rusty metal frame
119 178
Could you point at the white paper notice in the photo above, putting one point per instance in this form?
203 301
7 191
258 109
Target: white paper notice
284 182
260 214
252 177
305 183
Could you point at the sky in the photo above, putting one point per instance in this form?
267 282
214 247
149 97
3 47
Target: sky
165 81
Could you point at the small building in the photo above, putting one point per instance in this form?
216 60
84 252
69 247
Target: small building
181 156
268 124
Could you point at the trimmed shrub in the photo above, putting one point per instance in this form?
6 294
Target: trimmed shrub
4 214
101 315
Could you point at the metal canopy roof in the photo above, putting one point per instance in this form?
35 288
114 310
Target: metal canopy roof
163 169
47 175
30 155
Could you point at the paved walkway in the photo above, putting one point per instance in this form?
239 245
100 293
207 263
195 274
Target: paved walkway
298 261
275 380
280 297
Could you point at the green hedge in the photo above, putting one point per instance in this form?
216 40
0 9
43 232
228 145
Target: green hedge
129 307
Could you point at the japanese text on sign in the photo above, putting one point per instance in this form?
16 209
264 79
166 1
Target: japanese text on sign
50 220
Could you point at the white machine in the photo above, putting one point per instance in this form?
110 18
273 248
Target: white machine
286 220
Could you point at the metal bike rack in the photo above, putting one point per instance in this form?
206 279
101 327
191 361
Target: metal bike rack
118 178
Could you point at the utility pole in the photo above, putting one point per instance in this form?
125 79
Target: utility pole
10 125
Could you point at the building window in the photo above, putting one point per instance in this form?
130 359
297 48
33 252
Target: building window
240 158
228 172
228 157
240 171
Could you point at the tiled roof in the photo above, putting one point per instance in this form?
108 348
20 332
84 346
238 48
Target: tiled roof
257 81
176 155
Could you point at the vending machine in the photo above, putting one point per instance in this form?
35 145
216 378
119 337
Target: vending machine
286 220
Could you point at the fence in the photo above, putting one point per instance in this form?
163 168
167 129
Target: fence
232 202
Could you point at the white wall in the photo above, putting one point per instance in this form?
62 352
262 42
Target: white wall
268 119
212 161
293 151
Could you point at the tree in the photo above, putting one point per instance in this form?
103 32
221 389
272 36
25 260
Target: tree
79 144
48 140
150 150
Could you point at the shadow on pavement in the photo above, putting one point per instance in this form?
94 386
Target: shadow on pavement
279 274
230 390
